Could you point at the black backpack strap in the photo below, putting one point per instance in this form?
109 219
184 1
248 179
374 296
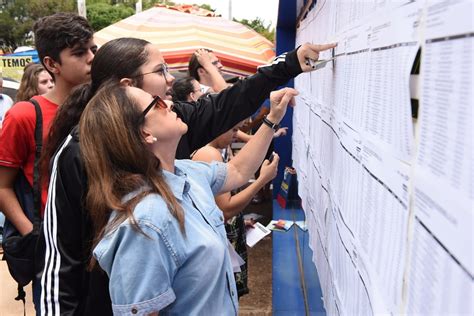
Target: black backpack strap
36 171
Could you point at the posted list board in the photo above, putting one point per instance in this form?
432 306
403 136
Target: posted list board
389 207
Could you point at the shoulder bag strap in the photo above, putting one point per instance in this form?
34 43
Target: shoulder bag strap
36 172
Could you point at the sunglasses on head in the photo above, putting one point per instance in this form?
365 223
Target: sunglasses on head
158 102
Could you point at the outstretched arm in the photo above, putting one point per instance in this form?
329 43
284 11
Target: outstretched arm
229 204
214 115
232 205
246 162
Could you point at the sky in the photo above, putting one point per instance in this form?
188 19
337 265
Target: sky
266 10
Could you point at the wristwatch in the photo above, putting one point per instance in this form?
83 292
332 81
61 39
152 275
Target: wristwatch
270 124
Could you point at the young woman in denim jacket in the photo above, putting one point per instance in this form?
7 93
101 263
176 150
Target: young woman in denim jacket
158 232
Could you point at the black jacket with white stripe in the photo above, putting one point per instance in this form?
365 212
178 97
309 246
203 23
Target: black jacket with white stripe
67 288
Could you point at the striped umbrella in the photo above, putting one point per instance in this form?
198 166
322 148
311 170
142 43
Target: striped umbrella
178 33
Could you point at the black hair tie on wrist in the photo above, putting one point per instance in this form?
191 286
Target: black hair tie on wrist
270 124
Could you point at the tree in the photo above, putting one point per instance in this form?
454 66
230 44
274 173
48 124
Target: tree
101 15
207 7
7 30
151 3
18 16
17 19
259 26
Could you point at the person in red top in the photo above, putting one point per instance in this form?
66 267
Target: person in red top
17 145
66 50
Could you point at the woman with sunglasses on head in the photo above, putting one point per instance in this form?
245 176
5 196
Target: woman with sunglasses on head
158 231
67 286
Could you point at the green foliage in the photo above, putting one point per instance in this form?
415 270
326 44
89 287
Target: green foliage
17 19
101 15
259 26
18 16
7 29
150 3
207 7
147 4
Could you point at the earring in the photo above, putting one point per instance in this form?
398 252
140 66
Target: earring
155 139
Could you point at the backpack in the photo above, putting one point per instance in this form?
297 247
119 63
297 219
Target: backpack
19 251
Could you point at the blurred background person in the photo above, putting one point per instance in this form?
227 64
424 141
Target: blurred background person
233 205
5 103
35 81
186 89
206 68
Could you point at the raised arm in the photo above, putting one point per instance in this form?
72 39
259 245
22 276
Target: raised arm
204 59
232 205
246 162
214 115
229 204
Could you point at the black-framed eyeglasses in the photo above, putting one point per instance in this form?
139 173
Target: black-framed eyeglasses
163 69
158 102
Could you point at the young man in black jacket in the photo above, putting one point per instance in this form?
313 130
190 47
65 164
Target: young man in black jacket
68 288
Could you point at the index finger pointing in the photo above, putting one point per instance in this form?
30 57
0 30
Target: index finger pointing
322 47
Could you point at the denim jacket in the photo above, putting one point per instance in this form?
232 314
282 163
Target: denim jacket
164 270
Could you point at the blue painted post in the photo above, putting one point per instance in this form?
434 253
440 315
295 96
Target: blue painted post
285 41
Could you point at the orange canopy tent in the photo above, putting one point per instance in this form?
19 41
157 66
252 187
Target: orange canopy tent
179 30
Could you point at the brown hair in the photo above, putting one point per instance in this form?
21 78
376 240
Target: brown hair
182 88
194 65
118 162
116 59
61 30
29 82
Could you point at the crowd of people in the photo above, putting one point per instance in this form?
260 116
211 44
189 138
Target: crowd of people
130 223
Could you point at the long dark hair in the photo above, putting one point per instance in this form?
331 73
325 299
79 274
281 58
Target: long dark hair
117 59
118 162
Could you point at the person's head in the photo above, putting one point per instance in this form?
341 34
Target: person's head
227 138
162 126
132 61
35 81
186 89
197 71
116 147
135 62
65 47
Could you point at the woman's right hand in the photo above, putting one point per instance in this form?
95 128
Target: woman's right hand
278 103
269 170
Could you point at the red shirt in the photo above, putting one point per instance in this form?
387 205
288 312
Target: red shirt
17 138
